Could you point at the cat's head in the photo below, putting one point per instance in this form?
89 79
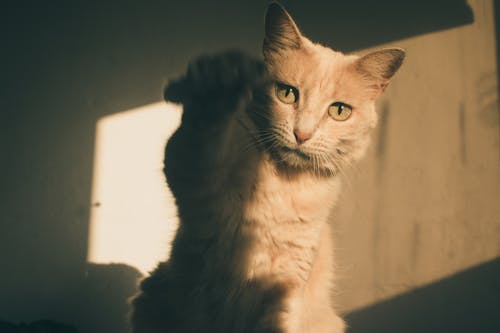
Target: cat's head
322 101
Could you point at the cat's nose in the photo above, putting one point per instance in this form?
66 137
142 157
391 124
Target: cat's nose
301 137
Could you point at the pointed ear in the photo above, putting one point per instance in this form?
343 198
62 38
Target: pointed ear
281 31
378 67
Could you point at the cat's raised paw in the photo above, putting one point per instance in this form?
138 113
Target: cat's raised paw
210 78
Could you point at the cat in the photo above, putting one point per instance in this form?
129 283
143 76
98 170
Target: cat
254 168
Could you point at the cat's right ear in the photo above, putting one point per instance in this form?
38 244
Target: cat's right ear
379 66
281 31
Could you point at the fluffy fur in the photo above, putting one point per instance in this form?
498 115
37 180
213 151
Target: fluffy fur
253 251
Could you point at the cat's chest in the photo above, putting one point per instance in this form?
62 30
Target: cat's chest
302 199
285 217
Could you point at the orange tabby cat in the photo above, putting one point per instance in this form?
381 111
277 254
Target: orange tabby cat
254 168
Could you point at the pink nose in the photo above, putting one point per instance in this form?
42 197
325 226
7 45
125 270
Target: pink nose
301 137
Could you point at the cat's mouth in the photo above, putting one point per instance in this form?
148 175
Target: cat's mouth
296 152
298 159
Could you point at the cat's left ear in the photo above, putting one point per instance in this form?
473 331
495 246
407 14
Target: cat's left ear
281 31
378 67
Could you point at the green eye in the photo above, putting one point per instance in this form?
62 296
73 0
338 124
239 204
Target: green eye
339 111
287 94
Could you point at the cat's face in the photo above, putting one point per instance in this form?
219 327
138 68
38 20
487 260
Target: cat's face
322 101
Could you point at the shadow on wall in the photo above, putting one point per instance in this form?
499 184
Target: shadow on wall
104 297
99 304
40 326
354 25
463 303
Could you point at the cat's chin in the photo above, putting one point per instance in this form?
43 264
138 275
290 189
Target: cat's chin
295 159
296 153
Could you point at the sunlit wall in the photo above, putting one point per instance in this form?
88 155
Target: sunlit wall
133 215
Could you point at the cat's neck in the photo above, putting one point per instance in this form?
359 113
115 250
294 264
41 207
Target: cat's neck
291 195
286 214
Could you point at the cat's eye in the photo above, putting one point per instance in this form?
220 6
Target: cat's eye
287 94
339 111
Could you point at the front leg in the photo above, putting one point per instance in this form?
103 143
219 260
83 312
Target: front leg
201 154
300 317
292 318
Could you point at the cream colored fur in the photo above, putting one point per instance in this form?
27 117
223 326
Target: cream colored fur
253 252
289 219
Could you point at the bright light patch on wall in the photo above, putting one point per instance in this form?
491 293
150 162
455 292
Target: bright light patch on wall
133 216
